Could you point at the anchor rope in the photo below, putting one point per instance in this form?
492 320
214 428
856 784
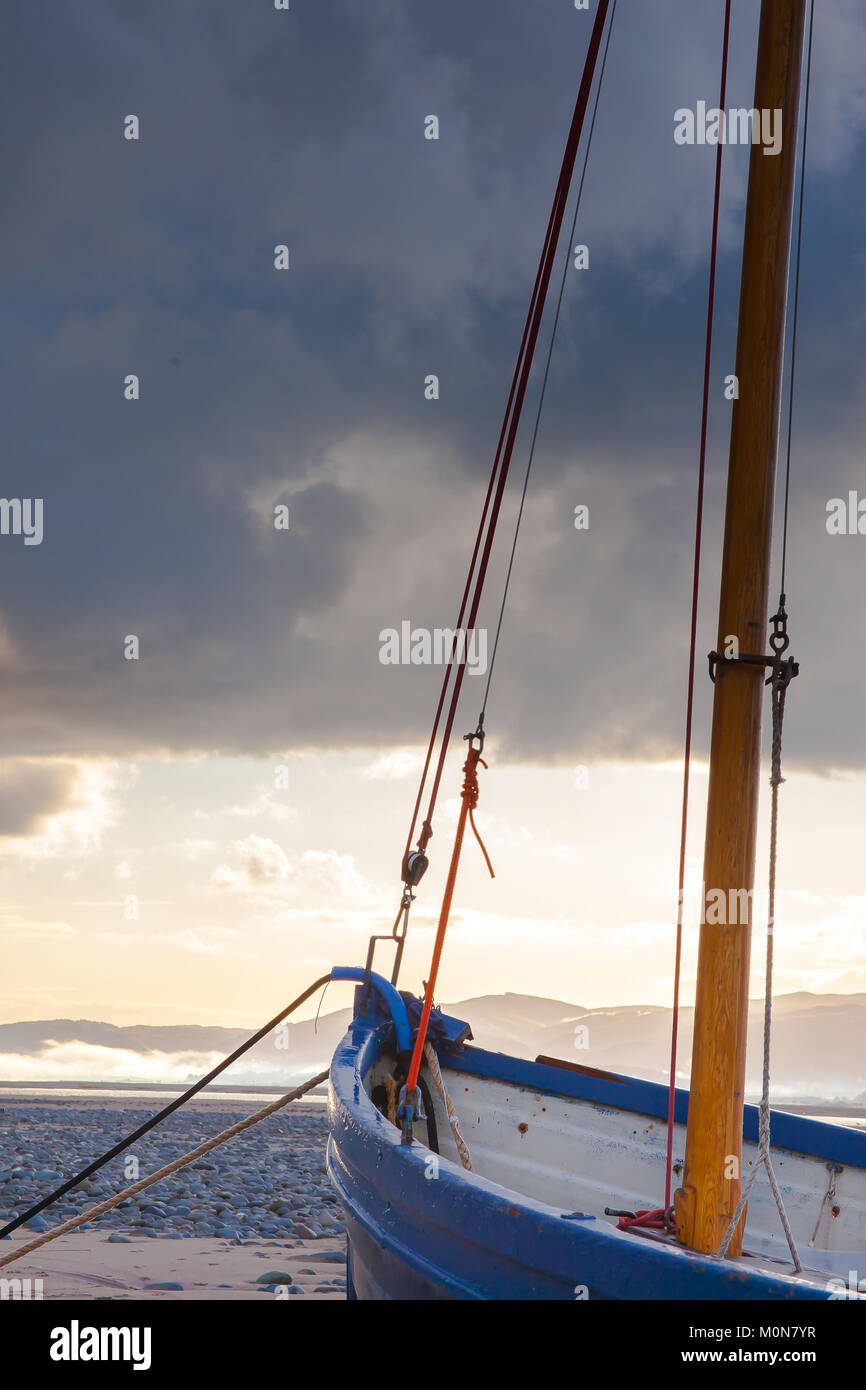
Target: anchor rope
166 1171
161 1115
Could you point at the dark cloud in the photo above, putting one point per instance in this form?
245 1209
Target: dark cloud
408 257
29 792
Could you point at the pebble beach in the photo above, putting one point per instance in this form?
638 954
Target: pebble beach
254 1217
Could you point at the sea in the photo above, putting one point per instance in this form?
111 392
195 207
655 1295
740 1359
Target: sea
134 1091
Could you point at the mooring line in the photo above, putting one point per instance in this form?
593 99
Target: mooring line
165 1171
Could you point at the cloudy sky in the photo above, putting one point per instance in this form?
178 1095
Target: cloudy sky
193 835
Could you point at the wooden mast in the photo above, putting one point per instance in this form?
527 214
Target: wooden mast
711 1186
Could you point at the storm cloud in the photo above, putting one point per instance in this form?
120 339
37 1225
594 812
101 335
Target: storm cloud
306 387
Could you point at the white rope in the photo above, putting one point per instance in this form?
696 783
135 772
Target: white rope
777 698
166 1171
433 1063
392 1091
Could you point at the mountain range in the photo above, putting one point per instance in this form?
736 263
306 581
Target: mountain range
819 1044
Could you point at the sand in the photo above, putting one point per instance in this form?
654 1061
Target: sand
39 1131
85 1265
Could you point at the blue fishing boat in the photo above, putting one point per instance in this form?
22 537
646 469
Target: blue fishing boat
552 1147
468 1174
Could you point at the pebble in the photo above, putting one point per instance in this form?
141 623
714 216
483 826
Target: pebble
270 1185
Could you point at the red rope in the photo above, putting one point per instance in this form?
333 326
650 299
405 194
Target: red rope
694 622
469 796
655 1220
508 434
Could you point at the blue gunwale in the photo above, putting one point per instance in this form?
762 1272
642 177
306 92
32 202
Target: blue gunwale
464 1237
816 1138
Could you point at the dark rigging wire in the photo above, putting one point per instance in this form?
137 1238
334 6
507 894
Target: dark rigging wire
505 448
163 1114
547 368
696 576
678 955
796 298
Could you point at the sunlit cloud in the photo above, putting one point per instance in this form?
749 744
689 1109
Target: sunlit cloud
82 806
394 766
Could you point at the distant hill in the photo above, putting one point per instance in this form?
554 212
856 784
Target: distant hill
819 1044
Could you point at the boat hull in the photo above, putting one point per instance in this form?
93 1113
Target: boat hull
421 1228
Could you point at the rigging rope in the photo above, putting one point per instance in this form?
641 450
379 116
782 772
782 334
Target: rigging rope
708 352
161 1115
780 680
410 1104
778 690
796 299
410 1107
505 447
164 1172
436 1072
547 366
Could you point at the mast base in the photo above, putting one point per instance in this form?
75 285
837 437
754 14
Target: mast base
707 1239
